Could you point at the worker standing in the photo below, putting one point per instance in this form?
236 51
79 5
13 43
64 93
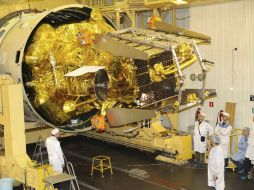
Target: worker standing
223 130
55 153
201 131
216 164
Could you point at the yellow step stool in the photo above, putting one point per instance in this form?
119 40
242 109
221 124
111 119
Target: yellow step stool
101 163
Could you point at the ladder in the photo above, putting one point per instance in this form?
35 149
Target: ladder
40 154
70 170
70 176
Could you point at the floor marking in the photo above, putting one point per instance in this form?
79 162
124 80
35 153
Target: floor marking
143 165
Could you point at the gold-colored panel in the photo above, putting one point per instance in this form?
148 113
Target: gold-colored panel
122 41
172 29
153 51
143 47
119 49
115 38
122 116
133 44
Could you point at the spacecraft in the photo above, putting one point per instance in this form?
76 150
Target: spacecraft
74 66
37 48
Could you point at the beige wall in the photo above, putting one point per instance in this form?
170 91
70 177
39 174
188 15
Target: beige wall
6 8
230 26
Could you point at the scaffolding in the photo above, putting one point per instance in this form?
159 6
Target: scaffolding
117 8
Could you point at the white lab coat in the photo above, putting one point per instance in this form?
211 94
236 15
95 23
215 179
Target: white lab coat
250 148
216 168
55 154
205 128
224 134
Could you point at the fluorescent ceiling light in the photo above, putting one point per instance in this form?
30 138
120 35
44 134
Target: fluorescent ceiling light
179 2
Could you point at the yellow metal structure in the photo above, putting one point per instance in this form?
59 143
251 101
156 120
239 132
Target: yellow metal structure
192 97
104 164
14 162
170 145
132 8
173 118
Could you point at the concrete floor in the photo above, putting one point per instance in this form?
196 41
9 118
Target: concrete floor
160 176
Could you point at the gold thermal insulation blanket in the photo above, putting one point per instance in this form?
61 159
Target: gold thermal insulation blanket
57 51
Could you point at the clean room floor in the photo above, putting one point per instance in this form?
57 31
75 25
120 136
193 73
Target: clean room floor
136 170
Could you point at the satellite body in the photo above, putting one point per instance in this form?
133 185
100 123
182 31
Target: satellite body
75 68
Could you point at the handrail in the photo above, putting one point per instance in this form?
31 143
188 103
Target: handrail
71 171
234 140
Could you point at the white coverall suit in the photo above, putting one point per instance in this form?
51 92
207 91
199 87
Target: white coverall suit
250 148
55 154
216 168
224 131
204 128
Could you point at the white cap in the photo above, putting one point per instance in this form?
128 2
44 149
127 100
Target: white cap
202 113
226 114
215 138
246 129
55 131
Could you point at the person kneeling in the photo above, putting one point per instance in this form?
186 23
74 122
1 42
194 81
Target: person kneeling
249 157
238 158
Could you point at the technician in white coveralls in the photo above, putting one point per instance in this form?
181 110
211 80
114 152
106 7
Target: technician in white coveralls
55 153
202 131
223 130
216 164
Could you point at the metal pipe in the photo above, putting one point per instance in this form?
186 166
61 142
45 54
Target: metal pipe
118 25
173 17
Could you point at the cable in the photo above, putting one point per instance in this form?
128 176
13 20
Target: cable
233 69
183 18
29 5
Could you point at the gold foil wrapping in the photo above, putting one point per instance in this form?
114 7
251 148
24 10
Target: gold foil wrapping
57 51
54 52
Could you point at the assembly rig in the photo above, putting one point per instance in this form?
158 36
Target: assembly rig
81 75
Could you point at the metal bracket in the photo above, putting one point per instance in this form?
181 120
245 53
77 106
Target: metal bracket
204 70
181 78
122 31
